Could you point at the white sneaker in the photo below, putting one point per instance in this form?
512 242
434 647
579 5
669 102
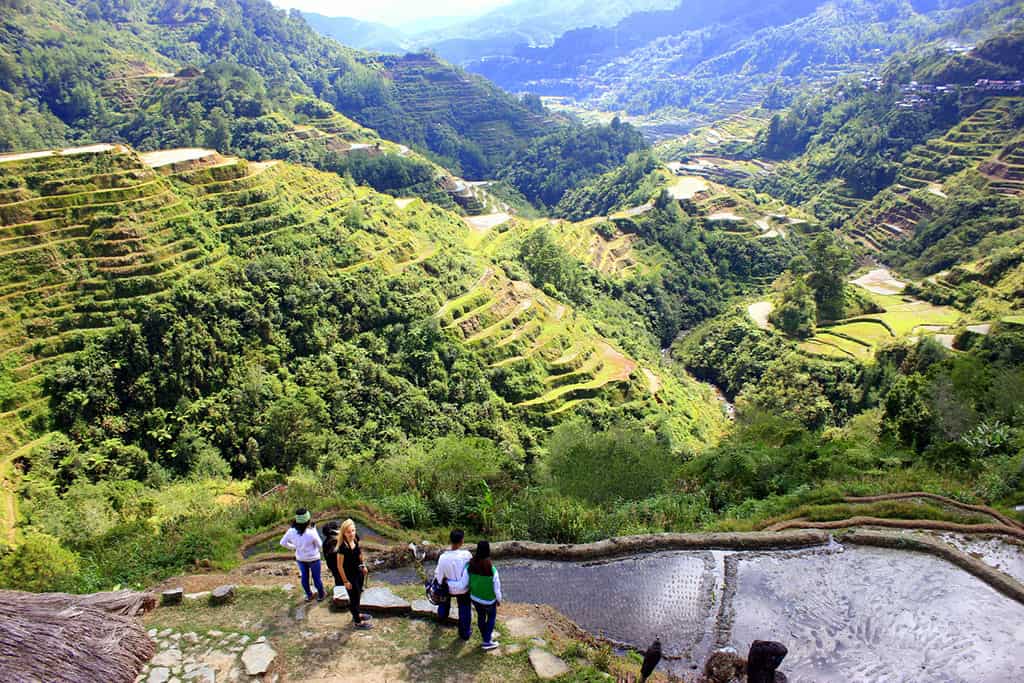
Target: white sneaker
493 645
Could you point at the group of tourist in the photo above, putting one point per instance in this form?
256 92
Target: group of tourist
471 579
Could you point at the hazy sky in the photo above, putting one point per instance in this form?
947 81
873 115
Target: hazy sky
393 12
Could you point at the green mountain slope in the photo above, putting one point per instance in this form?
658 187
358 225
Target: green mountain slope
62 56
136 284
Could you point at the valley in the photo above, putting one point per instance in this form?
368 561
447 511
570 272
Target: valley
722 297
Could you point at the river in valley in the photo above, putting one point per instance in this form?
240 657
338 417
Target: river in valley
847 614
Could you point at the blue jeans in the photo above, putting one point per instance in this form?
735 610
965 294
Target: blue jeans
465 613
486 615
307 568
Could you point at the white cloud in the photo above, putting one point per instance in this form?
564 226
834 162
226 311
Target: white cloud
392 12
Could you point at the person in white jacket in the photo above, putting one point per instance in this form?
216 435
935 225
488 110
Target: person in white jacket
305 541
452 567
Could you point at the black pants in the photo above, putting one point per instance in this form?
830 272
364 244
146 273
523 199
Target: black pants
354 596
332 564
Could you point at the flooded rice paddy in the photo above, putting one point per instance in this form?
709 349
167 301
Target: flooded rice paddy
847 614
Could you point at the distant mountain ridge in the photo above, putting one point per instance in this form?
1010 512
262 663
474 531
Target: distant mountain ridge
708 59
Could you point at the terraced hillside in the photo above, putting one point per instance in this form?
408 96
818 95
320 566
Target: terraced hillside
899 316
985 142
513 323
600 243
740 212
722 138
95 237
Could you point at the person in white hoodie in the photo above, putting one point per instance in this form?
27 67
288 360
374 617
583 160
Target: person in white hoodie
305 541
452 567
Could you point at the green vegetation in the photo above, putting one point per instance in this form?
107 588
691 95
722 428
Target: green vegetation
554 164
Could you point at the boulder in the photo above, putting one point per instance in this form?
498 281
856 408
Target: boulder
546 665
384 601
257 658
339 598
173 596
221 595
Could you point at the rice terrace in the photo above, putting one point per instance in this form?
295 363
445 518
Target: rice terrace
645 340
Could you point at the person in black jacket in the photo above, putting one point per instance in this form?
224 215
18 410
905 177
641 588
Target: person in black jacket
330 533
353 570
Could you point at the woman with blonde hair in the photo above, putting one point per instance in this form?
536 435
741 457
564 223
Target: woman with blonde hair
352 570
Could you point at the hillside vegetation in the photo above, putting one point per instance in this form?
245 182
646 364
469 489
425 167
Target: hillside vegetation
183 316
60 59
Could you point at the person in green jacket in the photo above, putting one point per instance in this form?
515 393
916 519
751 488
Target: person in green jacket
485 592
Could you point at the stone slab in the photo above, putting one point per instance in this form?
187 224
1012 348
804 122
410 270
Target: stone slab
257 658
426 610
546 665
383 601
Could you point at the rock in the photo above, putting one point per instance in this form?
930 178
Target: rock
426 610
167 658
257 658
172 597
202 674
525 627
196 596
190 637
159 674
340 597
243 639
215 634
384 601
220 662
546 665
763 659
221 595
166 632
151 633
512 648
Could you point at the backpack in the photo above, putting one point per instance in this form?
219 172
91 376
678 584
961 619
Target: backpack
437 591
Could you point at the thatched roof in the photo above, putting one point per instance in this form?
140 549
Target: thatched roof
61 638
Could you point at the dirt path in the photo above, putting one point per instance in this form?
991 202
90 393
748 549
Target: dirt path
759 313
403 202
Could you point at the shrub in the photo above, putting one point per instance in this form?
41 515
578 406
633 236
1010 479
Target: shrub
39 563
624 463
409 509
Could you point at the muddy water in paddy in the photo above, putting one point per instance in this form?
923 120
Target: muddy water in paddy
847 615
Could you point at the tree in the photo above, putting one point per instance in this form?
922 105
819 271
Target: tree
830 263
796 312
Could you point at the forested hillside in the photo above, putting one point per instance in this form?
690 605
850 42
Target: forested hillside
76 67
